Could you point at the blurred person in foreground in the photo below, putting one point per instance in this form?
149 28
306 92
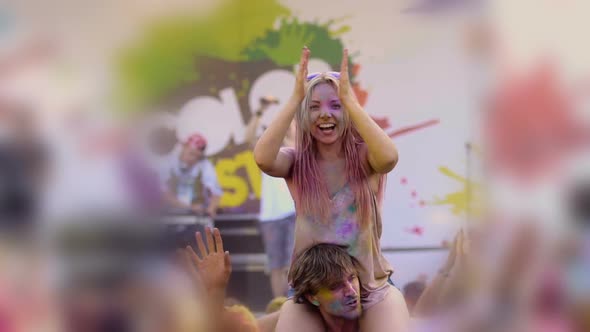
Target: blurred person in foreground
190 181
25 295
481 288
27 300
24 164
412 292
115 273
210 270
275 304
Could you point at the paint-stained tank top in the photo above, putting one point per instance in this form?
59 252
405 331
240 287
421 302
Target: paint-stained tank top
363 242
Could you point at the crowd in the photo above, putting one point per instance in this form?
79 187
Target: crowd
115 270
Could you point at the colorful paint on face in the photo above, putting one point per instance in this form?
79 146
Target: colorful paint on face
325 111
341 300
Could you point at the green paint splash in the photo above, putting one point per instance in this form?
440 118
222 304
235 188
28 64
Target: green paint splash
172 53
463 200
283 46
168 55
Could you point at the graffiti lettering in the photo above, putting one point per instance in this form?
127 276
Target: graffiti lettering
236 188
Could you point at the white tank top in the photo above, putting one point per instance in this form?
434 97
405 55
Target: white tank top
276 202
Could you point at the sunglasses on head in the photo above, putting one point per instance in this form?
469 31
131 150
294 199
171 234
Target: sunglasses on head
334 74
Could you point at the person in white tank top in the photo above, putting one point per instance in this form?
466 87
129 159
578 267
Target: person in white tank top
277 211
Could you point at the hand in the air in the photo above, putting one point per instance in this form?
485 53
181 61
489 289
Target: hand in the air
346 93
213 267
301 76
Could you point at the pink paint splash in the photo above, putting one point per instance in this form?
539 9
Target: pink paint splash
414 195
383 123
361 94
416 127
417 230
531 127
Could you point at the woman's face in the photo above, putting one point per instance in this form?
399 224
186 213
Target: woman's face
326 114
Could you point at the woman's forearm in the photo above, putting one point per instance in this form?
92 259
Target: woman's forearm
382 152
269 144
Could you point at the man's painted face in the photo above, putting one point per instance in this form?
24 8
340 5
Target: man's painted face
342 299
325 111
190 154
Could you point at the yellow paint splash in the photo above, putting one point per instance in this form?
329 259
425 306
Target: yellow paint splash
468 198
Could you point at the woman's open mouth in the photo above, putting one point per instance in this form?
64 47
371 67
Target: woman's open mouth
327 128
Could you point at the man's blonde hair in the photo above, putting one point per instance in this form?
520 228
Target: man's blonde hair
321 266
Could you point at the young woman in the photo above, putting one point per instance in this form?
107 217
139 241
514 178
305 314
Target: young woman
336 175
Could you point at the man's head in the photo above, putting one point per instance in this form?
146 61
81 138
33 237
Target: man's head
239 318
325 275
193 149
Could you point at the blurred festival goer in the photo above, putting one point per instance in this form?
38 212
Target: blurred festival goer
139 178
275 304
191 181
277 211
115 273
23 165
412 292
240 318
429 302
27 301
210 270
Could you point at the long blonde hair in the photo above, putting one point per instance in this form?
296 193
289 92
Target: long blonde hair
311 194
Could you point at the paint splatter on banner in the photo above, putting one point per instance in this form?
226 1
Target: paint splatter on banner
210 73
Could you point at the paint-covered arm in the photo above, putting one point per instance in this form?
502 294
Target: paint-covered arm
430 300
268 154
382 153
